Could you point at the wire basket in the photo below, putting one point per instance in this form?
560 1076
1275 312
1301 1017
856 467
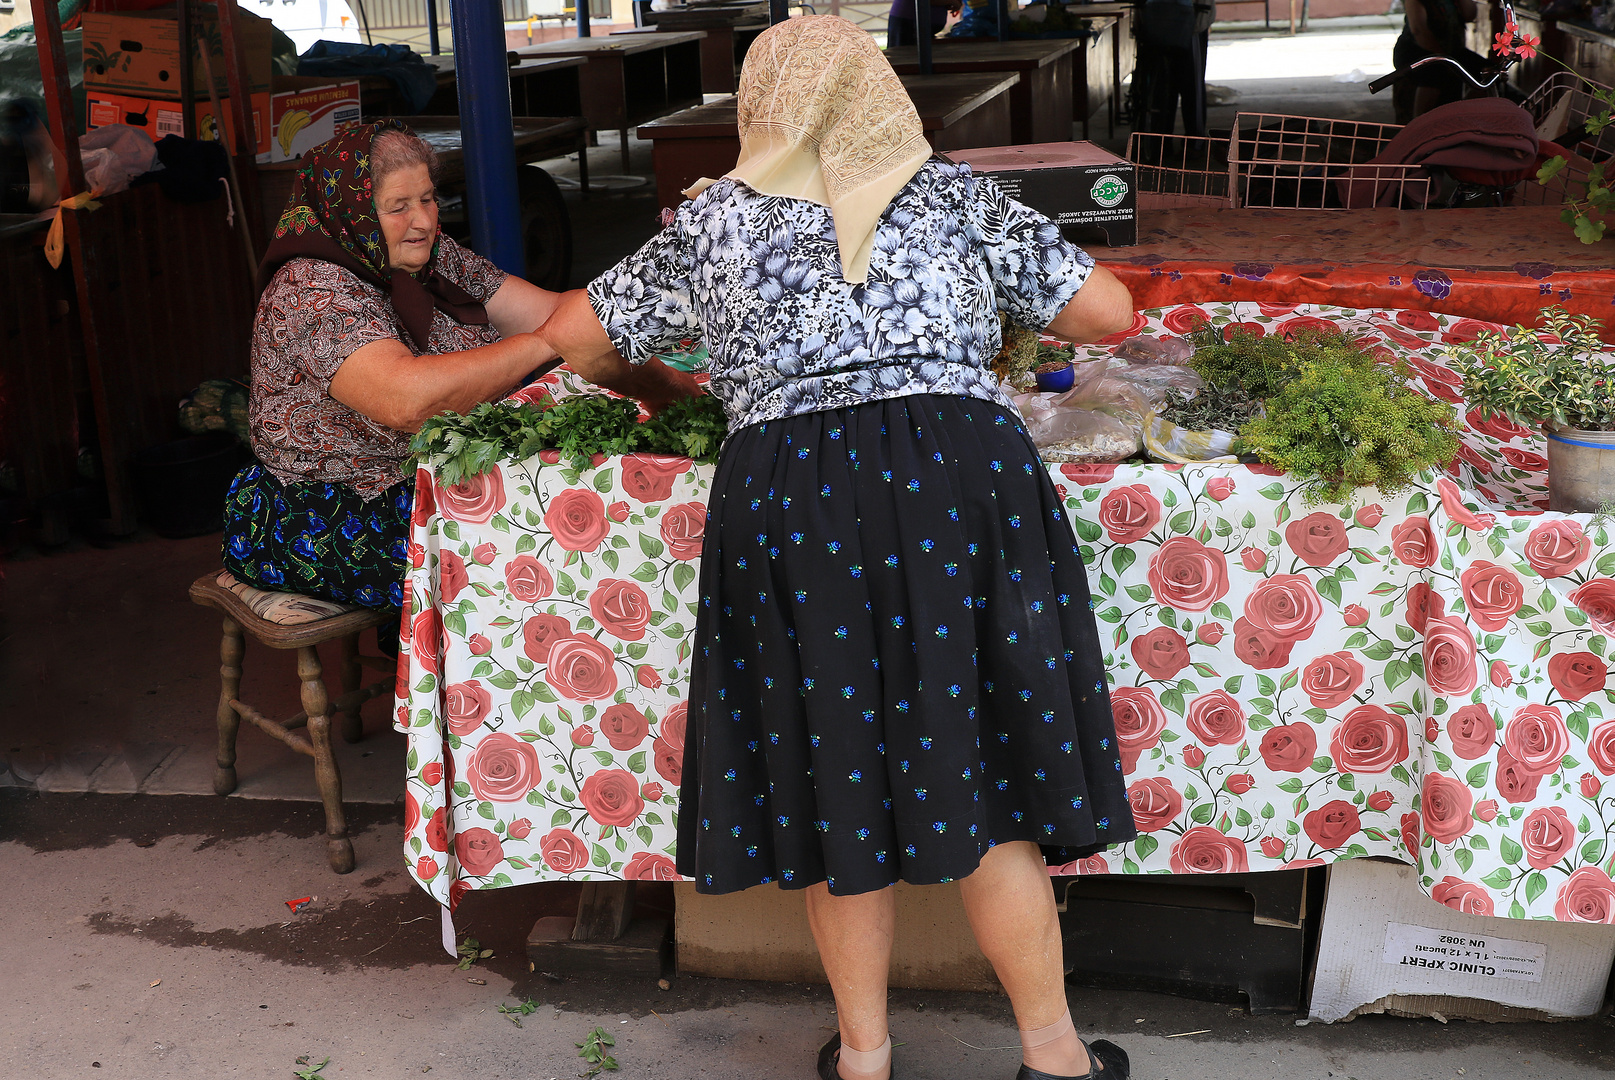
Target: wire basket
1177 171
1313 163
1560 105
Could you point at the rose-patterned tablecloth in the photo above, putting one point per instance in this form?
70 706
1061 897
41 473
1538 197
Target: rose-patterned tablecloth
1421 676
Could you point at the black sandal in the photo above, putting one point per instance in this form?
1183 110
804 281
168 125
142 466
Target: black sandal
829 1055
1106 1061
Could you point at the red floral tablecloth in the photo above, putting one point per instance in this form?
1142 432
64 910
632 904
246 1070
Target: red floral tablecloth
1420 676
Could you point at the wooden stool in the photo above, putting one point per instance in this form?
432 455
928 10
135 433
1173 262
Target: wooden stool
292 621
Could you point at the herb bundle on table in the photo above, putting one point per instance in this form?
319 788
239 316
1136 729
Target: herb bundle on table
579 426
1334 414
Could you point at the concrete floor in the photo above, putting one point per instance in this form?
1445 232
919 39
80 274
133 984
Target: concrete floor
145 934
148 937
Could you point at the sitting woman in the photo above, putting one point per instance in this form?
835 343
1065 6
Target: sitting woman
370 322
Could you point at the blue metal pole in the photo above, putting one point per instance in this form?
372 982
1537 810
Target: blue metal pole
483 76
581 9
431 25
778 11
923 38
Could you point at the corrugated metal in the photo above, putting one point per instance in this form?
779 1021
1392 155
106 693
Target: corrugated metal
168 300
41 366
404 14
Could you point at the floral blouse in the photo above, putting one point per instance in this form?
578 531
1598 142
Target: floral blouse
313 316
758 277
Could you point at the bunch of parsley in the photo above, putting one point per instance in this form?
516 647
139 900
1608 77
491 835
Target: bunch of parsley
578 426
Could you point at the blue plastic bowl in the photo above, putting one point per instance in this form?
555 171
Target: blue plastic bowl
1057 381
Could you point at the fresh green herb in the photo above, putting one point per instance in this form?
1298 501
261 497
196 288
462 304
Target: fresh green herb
311 1073
692 426
593 1050
1560 373
469 445
1348 421
514 1013
1256 364
579 426
1018 353
470 951
1210 408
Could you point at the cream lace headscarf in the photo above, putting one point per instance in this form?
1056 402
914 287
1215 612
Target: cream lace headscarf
824 118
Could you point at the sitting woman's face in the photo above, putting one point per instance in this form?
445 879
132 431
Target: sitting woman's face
406 204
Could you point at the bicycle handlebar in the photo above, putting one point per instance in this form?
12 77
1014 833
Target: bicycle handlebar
1401 73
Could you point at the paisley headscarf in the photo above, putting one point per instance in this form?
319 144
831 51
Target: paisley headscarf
331 215
824 118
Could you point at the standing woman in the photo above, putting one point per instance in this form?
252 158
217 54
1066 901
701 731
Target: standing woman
897 673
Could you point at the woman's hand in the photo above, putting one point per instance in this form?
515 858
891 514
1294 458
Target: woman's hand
576 334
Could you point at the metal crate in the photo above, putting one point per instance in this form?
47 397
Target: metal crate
1177 171
1562 101
1313 163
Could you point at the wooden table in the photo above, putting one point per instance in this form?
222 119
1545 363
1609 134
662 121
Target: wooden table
1097 71
1124 47
956 111
1040 105
631 80
731 28
539 86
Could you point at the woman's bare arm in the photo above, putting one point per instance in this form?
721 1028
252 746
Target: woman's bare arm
520 307
1102 306
575 333
388 384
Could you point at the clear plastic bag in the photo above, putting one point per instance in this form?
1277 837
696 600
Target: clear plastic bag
1144 351
1166 441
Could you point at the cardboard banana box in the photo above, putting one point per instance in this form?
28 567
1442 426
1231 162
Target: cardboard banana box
302 112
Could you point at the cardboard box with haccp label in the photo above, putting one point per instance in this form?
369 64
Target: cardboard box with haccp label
1086 190
1386 947
303 113
137 52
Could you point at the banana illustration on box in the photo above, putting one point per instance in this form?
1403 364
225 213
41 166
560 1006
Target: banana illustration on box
290 124
304 119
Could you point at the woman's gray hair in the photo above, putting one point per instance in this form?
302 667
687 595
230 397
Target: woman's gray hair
394 150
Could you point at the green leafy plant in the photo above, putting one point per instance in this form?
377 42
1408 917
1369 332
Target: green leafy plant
1560 373
1348 421
1211 408
1017 354
1233 359
470 951
312 1072
593 1050
579 426
514 1013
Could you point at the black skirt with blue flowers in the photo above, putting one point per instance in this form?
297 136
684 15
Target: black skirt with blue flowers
318 539
897 664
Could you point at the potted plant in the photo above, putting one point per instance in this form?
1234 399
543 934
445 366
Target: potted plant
1559 376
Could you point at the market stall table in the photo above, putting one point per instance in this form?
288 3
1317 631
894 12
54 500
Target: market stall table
538 87
1421 676
969 109
730 30
1039 105
631 80
1504 263
1124 48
